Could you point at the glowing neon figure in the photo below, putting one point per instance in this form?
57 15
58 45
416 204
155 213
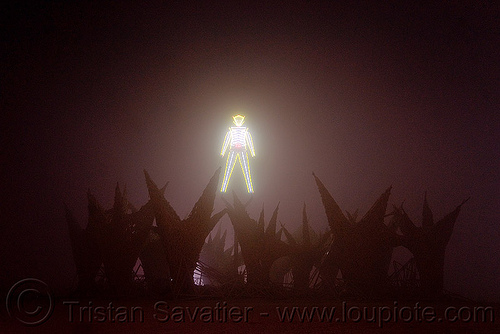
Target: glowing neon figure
238 140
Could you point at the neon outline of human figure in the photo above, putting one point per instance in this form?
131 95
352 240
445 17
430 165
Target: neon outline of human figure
239 141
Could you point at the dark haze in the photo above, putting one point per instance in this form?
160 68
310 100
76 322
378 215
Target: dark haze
365 96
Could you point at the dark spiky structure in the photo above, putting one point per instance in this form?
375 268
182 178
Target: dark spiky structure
156 270
85 254
218 263
120 233
359 249
362 251
428 245
260 246
183 239
304 255
113 238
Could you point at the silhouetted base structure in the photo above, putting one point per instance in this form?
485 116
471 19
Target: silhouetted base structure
152 252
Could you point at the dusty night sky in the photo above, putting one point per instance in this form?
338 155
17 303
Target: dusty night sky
364 96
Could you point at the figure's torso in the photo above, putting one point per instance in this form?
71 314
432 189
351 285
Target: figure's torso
238 140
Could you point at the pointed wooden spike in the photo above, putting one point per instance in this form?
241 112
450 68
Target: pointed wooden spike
261 223
444 227
152 187
205 204
278 235
217 234
160 202
162 190
336 219
271 228
224 237
216 217
375 215
119 205
118 195
407 227
289 237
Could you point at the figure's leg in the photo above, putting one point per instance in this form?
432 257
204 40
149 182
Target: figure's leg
231 160
245 167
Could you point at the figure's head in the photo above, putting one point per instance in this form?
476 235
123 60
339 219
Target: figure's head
238 120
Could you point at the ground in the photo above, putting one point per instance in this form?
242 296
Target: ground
259 315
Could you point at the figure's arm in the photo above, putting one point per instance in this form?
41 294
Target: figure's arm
227 139
250 143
